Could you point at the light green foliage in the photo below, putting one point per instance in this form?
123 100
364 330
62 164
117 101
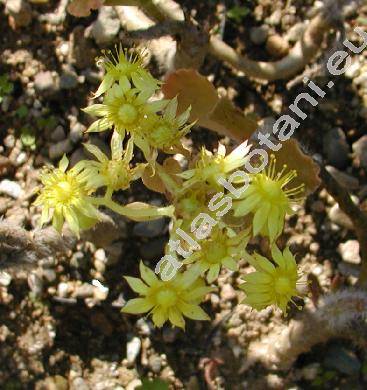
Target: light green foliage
6 87
154 384
28 137
237 13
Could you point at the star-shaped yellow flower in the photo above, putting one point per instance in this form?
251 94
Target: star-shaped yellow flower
271 284
269 199
168 300
66 196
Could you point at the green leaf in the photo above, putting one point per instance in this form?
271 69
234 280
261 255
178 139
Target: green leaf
155 384
22 111
237 13
28 137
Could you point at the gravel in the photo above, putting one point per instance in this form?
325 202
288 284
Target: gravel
336 148
11 188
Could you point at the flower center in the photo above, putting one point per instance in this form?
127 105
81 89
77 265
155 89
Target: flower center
283 286
166 297
161 134
272 189
127 113
215 252
64 191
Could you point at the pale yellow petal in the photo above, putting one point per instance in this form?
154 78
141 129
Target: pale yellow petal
137 285
260 217
159 316
176 318
148 275
137 306
193 312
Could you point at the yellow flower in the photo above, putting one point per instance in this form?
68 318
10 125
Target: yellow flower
165 132
124 109
116 173
190 203
126 70
224 248
168 300
271 285
66 196
210 167
269 199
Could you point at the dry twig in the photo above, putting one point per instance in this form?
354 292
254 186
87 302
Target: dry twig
19 246
342 314
299 56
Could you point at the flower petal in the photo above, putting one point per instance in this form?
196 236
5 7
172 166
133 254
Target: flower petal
198 293
63 164
230 263
260 217
278 256
137 306
176 318
213 273
159 316
243 207
137 285
148 275
194 312
105 85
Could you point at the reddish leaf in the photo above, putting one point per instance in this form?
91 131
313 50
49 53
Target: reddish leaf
212 112
307 170
193 89
153 182
227 119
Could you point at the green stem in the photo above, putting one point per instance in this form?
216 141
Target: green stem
136 211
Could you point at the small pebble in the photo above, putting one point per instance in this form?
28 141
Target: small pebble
277 46
5 278
58 134
349 251
62 290
11 188
133 349
60 148
100 291
258 35
336 148
149 229
360 152
155 363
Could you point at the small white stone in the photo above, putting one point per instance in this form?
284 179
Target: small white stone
64 48
5 278
134 384
62 290
353 70
132 349
100 255
11 188
100 292
21 159
349 251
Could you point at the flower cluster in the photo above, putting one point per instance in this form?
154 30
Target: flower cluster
128 108
168 301
269 198
218 204
66 195
271 284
